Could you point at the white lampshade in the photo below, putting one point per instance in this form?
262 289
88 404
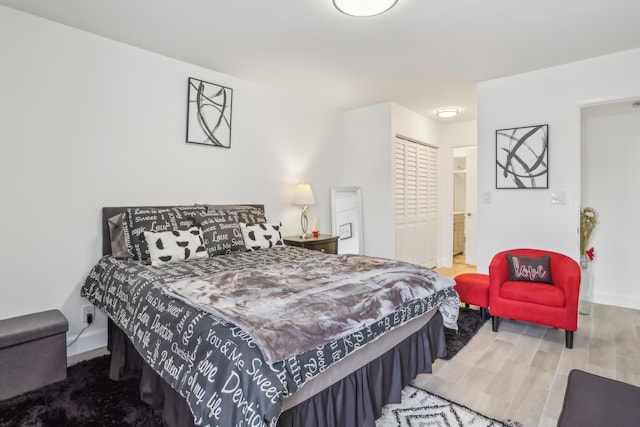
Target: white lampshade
304 195
363 7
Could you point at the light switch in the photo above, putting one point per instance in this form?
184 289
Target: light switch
486 197
558 197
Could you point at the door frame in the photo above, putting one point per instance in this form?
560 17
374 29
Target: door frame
446 209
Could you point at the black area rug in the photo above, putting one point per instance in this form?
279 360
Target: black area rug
88 398
469 322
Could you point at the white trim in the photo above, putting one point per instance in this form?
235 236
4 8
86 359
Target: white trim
406 138
618 300
89 340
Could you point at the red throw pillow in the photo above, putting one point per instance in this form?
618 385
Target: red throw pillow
527 269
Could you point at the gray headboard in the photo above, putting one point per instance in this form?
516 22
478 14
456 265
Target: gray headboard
108 212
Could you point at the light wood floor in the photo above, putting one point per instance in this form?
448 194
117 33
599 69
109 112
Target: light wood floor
520 372
458 267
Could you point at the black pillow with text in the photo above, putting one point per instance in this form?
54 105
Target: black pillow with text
528 269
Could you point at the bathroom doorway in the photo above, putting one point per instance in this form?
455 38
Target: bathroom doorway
465 202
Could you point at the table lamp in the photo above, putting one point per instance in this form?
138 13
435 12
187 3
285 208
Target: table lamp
304 197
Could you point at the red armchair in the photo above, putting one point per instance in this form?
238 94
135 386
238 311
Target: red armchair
554 305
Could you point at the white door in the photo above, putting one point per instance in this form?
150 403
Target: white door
415 185
470 222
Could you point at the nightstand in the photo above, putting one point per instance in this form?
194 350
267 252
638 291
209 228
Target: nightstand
323 243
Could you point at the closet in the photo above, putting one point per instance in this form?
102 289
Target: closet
415 167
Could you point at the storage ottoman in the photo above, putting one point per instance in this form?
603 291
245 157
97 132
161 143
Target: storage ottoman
33 352
594 401
473 288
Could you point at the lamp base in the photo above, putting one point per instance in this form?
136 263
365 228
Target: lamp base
304 222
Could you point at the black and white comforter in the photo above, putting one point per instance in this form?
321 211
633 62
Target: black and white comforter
218 366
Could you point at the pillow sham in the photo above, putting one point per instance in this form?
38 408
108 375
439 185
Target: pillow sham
261 236
177 245
116 234
221 228
529 269
243 213
136 221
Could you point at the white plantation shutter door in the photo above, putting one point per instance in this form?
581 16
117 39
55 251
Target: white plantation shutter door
415 185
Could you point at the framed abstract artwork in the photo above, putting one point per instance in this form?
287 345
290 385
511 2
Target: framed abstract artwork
522 157
209 114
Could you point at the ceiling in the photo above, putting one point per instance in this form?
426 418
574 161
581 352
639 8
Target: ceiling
422 54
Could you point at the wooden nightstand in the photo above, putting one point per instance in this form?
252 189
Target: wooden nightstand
323 243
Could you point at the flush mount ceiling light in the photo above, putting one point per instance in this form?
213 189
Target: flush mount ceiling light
363 7
448 112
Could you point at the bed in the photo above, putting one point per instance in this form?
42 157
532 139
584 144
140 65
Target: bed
198 367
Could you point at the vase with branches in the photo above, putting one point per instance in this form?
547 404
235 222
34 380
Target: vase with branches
588 222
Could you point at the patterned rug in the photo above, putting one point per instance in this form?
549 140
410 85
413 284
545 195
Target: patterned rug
420 408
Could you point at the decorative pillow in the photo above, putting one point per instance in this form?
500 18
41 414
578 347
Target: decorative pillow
242 213
261 236
172 246
221 228
138 220
526 269
116 233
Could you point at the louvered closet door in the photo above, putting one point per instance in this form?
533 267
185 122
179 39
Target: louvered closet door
415 183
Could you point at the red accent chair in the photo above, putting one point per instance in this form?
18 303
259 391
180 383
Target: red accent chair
553 305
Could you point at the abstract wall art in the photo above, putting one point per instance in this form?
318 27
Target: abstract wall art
522 157
209 114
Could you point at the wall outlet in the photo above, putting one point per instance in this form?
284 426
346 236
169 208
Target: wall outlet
88 310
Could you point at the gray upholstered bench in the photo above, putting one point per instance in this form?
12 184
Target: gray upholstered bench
33 352
594 401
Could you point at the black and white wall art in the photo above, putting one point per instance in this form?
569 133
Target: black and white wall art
522 157
209 114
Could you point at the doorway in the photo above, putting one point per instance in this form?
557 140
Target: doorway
610 147
464 205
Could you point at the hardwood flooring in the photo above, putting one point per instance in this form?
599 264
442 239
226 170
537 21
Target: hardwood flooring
458 267
520 372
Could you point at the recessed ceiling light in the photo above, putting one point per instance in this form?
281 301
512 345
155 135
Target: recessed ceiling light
445 113
363 7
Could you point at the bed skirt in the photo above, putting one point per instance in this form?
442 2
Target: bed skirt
356 400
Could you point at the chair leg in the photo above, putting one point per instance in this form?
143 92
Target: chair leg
568 339
494 323
483 313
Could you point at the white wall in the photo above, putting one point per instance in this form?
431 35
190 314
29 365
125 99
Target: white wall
86 122
525 218
369 136
610 176
367 165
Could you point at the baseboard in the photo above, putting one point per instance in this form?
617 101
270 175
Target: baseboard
444 263
617 300
88 340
